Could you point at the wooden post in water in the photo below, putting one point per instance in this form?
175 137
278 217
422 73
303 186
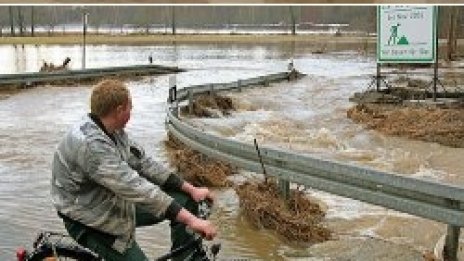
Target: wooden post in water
239 85
284 187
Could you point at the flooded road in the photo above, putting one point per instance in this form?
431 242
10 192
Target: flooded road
308 116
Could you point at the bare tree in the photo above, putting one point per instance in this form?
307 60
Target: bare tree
32 21
292 20
115 15
12 26
173 20
53 21
452 41
20 20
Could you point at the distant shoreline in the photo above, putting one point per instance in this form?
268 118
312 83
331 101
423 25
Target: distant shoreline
184 38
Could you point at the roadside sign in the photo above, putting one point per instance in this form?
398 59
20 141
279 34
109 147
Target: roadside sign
406 34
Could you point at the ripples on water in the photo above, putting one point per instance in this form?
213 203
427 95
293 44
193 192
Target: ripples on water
309 116
306 116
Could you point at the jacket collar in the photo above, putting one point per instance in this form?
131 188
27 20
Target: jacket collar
99 123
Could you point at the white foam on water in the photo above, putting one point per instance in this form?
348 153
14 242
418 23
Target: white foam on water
429 173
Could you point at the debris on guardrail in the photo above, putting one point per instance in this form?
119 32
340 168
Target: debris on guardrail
211 106
198 168
53 75
50 67
294 75
298 219
71 82
375 97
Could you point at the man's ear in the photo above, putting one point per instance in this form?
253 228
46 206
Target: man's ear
119 109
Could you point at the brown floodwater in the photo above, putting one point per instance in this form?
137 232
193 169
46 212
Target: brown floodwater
308 116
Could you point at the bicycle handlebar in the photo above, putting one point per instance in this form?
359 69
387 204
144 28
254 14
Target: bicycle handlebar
204 211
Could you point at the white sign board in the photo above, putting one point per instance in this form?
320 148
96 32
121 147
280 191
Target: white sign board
406 34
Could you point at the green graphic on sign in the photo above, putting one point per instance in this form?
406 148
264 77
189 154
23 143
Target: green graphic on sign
394 34
406 34
403 41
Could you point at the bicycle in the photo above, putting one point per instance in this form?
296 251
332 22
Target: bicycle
58 246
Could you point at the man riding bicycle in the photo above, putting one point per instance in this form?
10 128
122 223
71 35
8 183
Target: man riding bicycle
104 186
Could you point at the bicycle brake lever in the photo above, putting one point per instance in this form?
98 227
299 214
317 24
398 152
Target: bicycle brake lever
215 248
204 209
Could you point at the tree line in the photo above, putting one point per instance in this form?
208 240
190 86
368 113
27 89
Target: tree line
22 20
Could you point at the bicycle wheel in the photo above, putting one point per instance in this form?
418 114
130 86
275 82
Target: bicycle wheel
63 253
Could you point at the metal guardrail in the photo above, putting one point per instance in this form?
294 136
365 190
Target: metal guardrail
49 77
432 200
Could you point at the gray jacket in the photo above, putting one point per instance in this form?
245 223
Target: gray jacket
97 179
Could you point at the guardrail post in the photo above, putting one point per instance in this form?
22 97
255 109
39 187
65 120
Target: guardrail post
175 108
265 81
450 250
172 99
211 89
190 101
239 85
172 95
284 187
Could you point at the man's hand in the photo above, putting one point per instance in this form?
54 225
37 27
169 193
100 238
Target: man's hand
198 194
203 227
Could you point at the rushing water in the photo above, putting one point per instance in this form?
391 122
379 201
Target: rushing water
308 116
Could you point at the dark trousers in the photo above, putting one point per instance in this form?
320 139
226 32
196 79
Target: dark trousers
101 243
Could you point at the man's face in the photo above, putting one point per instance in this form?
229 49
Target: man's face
123 113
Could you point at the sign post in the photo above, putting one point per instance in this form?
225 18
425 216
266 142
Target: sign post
173 94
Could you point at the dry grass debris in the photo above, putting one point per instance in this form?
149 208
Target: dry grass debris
298 219
214 105
197 168
444 126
